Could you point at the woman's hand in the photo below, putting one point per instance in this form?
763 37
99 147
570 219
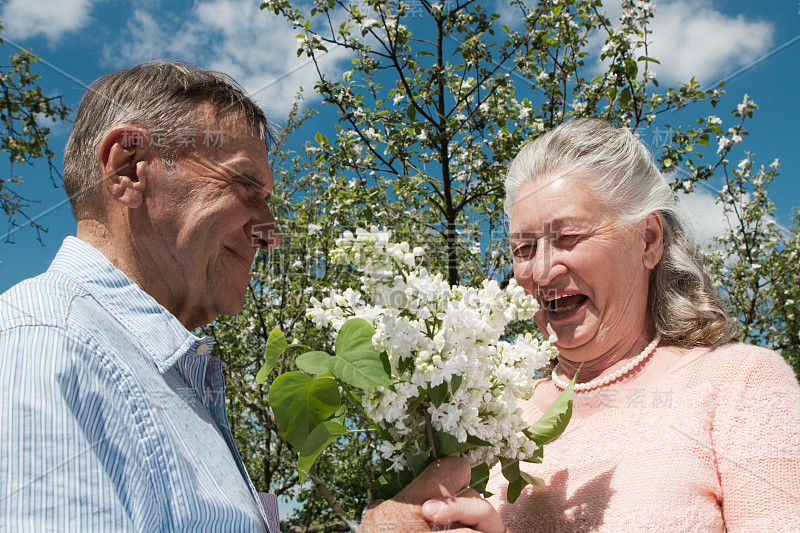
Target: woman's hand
468 509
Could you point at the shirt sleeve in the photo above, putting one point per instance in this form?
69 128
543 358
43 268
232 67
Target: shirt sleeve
756 436
61 441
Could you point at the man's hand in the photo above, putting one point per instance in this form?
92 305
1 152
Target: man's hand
437 488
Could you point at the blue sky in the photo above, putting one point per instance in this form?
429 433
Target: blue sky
756 46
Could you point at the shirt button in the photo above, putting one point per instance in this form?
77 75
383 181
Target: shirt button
202 349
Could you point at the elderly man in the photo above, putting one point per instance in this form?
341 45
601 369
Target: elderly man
112 413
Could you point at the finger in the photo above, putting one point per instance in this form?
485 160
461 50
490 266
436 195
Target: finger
476 513
468 492
441 479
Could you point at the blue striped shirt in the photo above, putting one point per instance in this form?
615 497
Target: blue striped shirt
112 414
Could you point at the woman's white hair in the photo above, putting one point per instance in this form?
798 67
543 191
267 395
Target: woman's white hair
684 307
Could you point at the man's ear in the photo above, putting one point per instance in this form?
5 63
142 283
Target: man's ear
122 152
653 239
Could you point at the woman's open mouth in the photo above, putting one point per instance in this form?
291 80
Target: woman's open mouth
558 305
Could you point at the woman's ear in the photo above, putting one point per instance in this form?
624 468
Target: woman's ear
120 152
653 239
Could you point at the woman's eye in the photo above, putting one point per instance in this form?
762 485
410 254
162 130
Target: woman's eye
568 239
524 251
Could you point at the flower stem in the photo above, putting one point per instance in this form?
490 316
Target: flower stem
382 432
429 429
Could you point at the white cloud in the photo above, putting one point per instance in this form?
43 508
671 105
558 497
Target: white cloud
257 48
689 38
706 217
50 18
692 38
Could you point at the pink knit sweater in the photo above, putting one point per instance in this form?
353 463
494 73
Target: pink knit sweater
704 441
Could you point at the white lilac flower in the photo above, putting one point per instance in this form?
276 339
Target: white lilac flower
438 334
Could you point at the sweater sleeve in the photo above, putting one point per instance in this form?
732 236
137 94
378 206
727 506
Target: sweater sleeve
756 439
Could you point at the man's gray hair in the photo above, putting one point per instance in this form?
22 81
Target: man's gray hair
160 97
683 305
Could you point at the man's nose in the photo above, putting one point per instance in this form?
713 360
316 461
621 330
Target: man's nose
266 232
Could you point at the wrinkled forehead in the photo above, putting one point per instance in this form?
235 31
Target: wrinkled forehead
210 120
218 138
555 201
562 184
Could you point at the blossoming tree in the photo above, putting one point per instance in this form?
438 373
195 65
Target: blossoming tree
24 110
439 98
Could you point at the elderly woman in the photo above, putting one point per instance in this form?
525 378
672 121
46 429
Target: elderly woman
671 429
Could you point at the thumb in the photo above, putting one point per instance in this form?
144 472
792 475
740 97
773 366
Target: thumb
442 478
474 512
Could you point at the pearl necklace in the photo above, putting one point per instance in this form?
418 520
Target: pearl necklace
614 376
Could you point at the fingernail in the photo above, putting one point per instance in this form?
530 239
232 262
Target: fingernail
432 507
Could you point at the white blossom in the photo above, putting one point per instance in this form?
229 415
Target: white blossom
435 335
723 144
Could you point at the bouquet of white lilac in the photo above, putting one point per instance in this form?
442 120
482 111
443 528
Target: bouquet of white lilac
424 363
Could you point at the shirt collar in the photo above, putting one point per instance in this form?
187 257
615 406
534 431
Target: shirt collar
160 333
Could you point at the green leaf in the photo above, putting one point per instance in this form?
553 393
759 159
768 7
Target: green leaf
625 97
404 364
537 456
387 365
555 420
439 393
515 489
475 441
357 362
276 344
314 362
455 383
301 402
650 59
411 111
391 482
447 444
479 478
510 468
515 481
319 439
418 462
532 480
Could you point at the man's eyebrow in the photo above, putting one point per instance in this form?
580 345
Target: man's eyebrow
245 172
